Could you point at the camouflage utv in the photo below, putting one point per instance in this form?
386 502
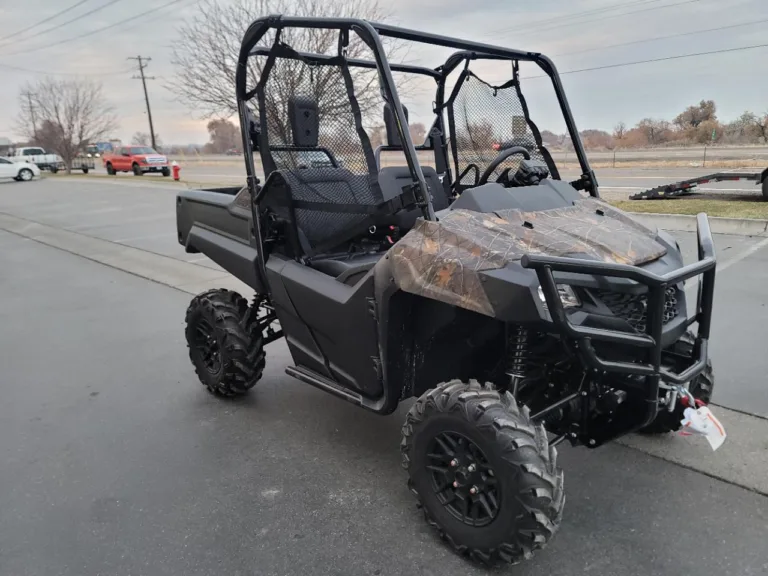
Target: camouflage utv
517 308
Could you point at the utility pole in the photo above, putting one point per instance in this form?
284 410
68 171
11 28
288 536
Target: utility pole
143 64
29 95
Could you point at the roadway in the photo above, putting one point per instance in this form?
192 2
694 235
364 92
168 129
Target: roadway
615 183
116 461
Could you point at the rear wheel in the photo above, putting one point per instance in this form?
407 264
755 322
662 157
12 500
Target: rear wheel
700 387
765 188
110 169
54 169
137 171
484 473
85 170
225 345
25 175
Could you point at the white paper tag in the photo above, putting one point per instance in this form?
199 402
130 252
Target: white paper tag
703 422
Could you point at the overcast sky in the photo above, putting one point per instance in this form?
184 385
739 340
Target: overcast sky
736 81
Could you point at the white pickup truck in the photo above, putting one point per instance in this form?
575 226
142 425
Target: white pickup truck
38 156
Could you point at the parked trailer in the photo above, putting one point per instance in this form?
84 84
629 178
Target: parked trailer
688 187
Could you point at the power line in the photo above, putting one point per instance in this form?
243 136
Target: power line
44 20
142 64
651 60
572 15
652 8
74 19
48 73
92 32
657 38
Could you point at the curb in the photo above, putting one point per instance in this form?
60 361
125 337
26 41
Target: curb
718 225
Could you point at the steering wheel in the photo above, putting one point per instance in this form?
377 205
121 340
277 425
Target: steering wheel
503 155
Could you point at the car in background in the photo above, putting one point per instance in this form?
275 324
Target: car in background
98 149
38 156
18 170
136 159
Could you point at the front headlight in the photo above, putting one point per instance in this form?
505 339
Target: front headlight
567 296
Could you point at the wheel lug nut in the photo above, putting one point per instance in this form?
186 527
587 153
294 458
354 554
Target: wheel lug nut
473 490
455 484
454 462
471 467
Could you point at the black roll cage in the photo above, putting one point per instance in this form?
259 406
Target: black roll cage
371 33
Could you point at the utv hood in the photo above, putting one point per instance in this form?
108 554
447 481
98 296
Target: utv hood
442 260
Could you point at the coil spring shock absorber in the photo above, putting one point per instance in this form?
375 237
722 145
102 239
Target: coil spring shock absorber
517 352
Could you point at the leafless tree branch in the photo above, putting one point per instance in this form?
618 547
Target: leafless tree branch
205 55
67 114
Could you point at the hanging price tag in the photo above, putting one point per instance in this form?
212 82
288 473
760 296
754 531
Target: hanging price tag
702 421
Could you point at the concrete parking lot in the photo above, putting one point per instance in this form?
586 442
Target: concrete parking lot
116 461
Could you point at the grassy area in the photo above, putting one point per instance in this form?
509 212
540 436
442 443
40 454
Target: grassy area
742 208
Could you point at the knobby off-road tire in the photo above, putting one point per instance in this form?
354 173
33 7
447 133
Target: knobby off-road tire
230 361
701 387
529 495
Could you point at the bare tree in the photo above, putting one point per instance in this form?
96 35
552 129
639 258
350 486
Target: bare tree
144 139
619 130
205 56
656 131
224 135
756 126
140 139
70 114
692 116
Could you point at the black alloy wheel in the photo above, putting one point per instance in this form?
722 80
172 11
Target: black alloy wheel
463 480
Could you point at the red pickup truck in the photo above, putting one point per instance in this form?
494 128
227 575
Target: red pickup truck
136 159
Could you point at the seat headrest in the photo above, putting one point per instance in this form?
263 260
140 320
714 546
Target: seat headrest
393 138
305 124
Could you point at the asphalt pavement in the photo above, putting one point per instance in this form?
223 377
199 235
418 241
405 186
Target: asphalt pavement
116 461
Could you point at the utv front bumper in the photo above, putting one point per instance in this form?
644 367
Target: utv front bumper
648 342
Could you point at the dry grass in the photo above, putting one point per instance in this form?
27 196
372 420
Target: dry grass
744 207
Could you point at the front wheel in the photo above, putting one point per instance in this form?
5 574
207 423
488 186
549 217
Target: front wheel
137 171
486 476
85 170
226 345
166 172
765 188
54 169
25 175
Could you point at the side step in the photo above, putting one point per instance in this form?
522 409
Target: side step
324 384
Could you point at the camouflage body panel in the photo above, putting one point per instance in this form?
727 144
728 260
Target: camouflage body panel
442 260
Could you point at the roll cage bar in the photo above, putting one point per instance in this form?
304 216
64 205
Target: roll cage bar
370 33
